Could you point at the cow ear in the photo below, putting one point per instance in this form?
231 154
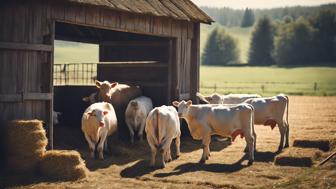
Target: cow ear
114 84
105 112
98 83
189 103
175 103
90 113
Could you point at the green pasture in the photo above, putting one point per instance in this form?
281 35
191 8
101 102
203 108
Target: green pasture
269 80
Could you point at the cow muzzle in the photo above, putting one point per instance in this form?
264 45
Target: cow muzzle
101 124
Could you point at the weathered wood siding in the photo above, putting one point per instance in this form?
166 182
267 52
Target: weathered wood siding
26 51
26 62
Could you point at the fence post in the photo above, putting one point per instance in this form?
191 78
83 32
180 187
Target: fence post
215 87
263 88
65 74
315 86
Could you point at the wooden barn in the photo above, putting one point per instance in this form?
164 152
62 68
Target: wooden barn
150 43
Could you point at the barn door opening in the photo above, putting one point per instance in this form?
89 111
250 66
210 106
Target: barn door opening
129 58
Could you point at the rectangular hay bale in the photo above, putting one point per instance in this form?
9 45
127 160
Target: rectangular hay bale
298 157
322 144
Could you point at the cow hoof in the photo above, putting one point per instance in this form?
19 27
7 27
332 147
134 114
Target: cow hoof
279 150
162 166
250 162
207 158
177 156
202 161
286 146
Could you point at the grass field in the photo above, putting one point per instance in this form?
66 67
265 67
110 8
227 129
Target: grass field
295 81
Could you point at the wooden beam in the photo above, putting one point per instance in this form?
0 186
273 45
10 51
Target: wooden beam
10 98
25 96
135 43
37 96
25 46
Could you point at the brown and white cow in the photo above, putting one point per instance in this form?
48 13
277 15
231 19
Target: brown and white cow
208 119
216 98
135 115
162 126
269 111
98 122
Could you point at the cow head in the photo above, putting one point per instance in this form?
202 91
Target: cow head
105 88
99 116
182 107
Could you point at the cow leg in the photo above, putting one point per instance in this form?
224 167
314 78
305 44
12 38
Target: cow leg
168 155
282 130
250 144
140 133
105 145
131 133
153 150
100 146
165 153
92 145
177 143
287 135
206 151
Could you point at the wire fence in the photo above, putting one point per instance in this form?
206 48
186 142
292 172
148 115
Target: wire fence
75 74
266 88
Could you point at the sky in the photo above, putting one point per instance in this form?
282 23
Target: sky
242 4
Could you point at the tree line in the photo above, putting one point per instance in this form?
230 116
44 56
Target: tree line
233 17
307 40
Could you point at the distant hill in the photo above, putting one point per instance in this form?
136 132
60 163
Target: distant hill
233 17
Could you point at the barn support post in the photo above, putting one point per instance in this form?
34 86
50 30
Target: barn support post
195 63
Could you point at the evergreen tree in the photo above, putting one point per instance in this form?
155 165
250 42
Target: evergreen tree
294 43
248 18
325 23
220 49
261 46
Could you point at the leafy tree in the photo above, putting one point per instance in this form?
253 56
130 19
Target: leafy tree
261 46
220 49
294 43
248 18
325 23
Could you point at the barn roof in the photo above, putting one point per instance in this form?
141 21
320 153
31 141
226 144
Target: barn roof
175 9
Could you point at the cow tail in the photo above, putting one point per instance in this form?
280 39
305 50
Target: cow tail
158 129
287 109
252 113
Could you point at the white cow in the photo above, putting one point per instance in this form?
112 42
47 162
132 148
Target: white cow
216 98
270 111
136 114
98 122
162 126
209 119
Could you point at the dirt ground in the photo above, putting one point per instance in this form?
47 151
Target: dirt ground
127 165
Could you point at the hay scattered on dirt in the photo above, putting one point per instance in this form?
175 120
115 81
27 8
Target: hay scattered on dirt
299 157
323 144
63 165
26 142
